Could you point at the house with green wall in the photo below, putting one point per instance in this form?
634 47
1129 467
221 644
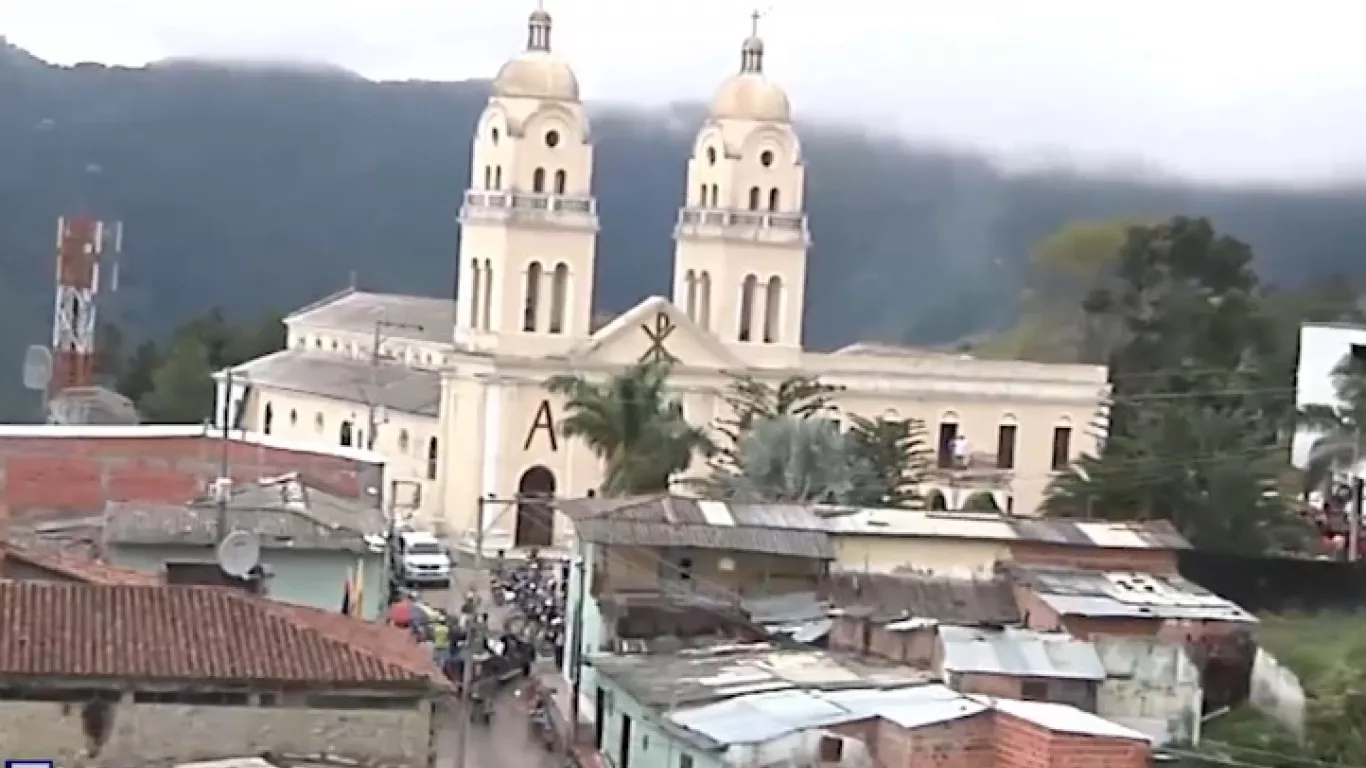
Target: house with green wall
312 544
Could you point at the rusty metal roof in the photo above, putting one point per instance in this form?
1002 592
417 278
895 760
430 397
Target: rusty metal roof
888 596
675 521
1098 594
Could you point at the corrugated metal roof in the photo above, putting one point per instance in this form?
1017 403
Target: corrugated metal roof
1157 534
761 717
888 597
699 676
677 521
1073 592
1019 653
1065 719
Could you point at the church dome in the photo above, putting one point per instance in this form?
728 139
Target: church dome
749 95
536 73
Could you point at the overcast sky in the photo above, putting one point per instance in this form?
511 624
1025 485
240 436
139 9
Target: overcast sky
1212 88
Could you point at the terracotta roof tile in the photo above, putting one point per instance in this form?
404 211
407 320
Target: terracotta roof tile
192 633
76 568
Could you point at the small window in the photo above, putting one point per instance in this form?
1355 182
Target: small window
268 419
1062 447
497 177
1005 446
832 749
685 761
494 135
488 177
1034 690
538 180
702 195
561 181
766 158
318 423
345 435
403 439
754 198
293 417
552 139
773 199
711 160
432 452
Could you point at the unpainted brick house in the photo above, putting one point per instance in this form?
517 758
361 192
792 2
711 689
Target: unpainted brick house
52 471
132 674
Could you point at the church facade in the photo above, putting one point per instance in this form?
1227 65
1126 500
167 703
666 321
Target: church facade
453 391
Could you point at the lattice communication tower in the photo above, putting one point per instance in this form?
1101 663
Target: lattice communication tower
82 244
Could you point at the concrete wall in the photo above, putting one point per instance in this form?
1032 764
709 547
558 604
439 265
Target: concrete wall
649 746
1151 687
315 579
144 733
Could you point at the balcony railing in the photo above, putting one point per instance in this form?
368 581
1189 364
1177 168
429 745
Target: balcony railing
751 225
976 469
502 206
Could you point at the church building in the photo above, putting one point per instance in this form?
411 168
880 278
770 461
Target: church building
452 391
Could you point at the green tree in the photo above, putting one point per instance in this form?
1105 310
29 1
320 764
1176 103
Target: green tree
1191 431
981 501
796 460
182 387
1064 268
138 371
631 423
751 402
897 456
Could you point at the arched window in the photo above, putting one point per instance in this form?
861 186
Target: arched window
559 297
690 294
773 199
561 181
318 423
403 440
754 198
715 196
532 307
704 301
345 437
538 180
431 458
488 177
773 304
486 304
497 177
747 290
476 279
951 445
293 417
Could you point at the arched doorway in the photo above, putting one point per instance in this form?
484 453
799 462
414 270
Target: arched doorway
535 518
936 502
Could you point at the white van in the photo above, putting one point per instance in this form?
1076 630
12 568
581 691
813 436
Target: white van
423 559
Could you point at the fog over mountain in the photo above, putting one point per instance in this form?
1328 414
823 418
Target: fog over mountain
261 187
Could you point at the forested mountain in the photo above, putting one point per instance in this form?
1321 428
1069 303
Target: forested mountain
257 189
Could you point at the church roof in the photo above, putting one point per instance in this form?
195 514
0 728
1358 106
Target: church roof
413 318
389 385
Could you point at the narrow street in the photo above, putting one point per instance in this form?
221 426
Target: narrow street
507 742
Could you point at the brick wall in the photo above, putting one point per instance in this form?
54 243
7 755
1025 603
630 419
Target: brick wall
150 733
1022 744
50 476
962 743
1094 558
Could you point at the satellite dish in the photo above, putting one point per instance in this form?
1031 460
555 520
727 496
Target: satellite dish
238 553
37 367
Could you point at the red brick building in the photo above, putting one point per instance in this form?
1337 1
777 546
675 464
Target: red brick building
57 471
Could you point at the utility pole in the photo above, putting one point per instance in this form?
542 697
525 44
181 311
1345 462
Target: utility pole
473 609
573 657
372 406
1354 509
223 488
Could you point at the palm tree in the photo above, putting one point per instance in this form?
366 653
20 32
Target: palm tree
895 451
1339 440
752 402
630 422
789 459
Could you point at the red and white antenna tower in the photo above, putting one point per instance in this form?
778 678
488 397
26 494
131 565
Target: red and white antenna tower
81 244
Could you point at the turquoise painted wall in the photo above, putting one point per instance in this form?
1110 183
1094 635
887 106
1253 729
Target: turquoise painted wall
650 745
593 629
313 578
